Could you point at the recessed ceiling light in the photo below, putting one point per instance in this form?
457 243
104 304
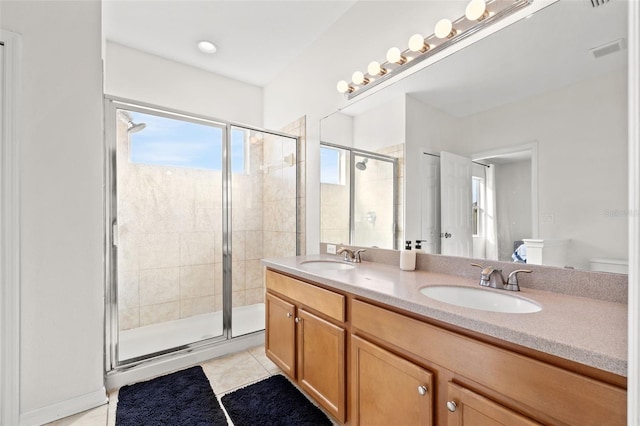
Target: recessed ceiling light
207 47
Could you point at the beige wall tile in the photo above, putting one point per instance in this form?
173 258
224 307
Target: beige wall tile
162 312
238 273
197 248
197 281
159 250
159 286
253 296
129 318
253 274
128 289
197 306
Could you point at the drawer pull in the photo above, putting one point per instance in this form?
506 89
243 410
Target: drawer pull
451 406
297 320
289 314
422 390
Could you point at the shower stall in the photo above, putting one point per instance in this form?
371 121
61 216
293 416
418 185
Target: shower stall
364 184
193 205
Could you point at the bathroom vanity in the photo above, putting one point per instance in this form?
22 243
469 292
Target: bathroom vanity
370 348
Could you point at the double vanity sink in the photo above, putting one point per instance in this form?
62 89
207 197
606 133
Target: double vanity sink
581 329
518 357
466 297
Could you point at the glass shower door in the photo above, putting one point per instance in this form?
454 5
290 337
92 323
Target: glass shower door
169 232
263 217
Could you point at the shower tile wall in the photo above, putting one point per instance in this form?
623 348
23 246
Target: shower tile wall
170 238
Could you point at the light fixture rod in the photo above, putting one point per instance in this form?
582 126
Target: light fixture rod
417 57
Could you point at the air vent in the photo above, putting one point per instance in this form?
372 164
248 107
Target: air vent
596 3
608 48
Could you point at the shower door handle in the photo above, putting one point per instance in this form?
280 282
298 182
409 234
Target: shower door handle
114 233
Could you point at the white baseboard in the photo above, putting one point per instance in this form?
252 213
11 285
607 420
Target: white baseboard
160 366
66 408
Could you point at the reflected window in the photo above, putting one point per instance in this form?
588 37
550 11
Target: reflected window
332 165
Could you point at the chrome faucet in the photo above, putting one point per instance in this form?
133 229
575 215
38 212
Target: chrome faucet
492 277
351 255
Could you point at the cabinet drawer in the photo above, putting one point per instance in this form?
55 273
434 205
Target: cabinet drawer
552 392
327 302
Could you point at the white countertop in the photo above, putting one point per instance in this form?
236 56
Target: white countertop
588 331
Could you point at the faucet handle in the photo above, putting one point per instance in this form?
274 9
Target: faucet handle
356 255
348 254
512 281
478 265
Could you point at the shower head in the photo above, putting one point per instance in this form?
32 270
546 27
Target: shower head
362 165
133 127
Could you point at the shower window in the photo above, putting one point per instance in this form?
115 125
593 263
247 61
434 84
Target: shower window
332 165
162 141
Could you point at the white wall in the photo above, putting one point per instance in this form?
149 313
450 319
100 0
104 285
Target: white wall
581 132
381 126
308 85
140 76
513 205
60 113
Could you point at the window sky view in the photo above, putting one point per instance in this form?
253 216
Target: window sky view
177 143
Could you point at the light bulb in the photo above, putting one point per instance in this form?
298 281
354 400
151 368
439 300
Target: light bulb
417 43
207 47
343 87
394 55
358 78
444 29
374 68
476 10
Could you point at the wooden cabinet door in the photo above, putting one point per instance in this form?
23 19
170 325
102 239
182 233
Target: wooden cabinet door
321 362
466 407
280 334
387 389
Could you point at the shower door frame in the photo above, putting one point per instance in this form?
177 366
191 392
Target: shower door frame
352 163
111 105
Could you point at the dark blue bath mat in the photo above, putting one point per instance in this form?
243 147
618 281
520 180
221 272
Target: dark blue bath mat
272 402
181 398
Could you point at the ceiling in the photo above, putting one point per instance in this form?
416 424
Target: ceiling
255 39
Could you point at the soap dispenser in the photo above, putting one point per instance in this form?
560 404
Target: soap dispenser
407 258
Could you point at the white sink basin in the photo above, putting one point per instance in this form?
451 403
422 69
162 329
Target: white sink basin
325 265
478 298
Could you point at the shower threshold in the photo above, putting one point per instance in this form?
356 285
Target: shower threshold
150 339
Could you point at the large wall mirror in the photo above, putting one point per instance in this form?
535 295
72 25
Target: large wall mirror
515 146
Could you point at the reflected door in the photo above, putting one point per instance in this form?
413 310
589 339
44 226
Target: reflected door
455 197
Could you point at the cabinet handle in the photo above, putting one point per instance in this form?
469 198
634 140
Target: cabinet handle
289 314
422 390
297 320
451 406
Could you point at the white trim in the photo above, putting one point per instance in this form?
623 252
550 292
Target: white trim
633 369
10 233
66 408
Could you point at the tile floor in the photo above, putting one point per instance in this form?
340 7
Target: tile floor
225 374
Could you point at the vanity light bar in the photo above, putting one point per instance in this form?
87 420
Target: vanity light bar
479 15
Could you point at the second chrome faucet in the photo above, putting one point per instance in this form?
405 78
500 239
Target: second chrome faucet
352 256
492 277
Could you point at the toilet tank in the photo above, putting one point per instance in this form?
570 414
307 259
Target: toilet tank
618 266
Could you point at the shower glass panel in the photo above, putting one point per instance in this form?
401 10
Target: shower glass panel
373 202
263 216
169 172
